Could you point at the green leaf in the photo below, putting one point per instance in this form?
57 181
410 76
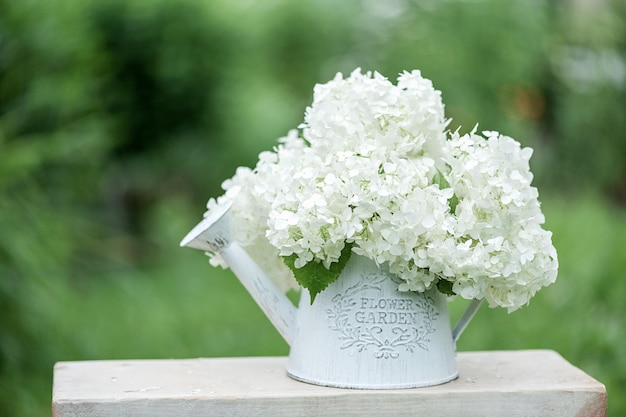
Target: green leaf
441 181
453 202
314 276
445 287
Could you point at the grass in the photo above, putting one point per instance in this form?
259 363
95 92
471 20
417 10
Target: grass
180 307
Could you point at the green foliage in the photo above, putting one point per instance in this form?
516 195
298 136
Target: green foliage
314 276
118 119
445 287
441 181
589 98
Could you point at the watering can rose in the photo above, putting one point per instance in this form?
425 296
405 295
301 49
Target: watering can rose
374 171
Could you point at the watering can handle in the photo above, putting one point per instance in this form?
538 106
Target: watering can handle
467 316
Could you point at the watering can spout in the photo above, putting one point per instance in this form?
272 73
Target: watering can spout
214 234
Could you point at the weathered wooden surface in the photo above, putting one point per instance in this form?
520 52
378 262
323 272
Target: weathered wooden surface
497 383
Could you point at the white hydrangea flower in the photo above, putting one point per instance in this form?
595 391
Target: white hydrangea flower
373 167
366 113
498 250
368 140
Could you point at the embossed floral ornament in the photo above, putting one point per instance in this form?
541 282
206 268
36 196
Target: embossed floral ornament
374 171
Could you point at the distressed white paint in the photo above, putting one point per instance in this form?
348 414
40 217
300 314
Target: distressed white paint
361 332
497 383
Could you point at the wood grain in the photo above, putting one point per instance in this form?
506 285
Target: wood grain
490 383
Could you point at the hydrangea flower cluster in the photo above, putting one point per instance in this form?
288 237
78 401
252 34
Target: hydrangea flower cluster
374 167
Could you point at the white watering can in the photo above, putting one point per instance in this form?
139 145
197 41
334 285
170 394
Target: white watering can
360 332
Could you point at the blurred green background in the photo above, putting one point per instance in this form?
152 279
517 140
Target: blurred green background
119 119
